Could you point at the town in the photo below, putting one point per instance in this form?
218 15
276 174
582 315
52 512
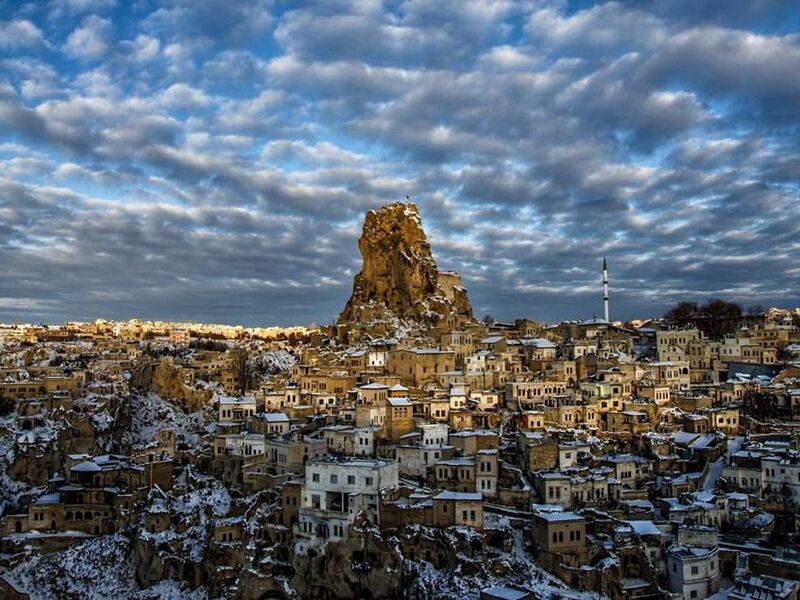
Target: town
410 450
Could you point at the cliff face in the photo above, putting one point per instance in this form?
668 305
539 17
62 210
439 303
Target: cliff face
166 379
399 279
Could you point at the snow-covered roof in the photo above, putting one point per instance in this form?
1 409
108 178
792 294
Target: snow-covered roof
86 467
374 386
644 504
234 400
644 527
691 551
276 417
537 342
684 437
399 402
465 496
623 458
556 517
505 593
48 499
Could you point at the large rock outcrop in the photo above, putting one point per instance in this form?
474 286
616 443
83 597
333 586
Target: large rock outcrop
399 282
167 379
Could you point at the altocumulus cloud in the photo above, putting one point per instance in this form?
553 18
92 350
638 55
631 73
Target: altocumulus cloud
213 159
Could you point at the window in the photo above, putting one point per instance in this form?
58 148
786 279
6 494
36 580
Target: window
351 479
315 477
695 570
368 480
334 478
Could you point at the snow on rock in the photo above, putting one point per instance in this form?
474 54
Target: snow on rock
193 511
13 442
97 569
212 495
102 421
172 590
473 574
151 413
273 362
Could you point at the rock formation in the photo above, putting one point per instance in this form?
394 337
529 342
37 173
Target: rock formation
399 282
166 379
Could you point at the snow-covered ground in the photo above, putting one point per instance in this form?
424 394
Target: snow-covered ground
151 413
715 468
273 362
193 511
212 494
469 578
97 569
12 492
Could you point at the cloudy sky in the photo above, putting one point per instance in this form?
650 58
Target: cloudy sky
213 159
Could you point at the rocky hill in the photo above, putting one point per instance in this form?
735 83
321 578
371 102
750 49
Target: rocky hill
165 378
400 283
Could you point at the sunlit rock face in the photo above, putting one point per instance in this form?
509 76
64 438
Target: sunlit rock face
399 279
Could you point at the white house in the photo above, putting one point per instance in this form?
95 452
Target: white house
277 422
233 409
335 492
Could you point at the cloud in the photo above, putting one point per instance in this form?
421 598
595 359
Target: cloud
746 65
36 78
89 41
59 8
183 96
606 28
232 22
20 33
142 49
214 160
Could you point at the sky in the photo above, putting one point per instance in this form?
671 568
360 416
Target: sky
212 160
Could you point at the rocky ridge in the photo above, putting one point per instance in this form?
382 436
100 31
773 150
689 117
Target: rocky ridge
400 284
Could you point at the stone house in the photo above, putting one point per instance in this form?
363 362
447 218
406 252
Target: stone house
562 533
458 508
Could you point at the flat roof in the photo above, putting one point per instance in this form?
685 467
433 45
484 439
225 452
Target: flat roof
644 527
276 417
374 386
559 516
399 401
506 593
448 495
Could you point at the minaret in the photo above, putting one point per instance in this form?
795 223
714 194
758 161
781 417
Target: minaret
605 289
